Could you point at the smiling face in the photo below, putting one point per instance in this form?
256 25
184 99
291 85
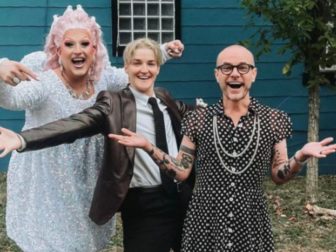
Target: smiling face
235 86
76 53
142 69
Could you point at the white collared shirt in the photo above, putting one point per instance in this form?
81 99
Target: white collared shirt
146 171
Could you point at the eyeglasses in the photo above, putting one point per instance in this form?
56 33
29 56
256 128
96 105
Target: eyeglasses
242 68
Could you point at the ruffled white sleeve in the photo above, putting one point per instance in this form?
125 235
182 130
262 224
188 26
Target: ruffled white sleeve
2 60
34 61
115 78
26 95
165 54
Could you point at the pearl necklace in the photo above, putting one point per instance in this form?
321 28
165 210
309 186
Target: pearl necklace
256 124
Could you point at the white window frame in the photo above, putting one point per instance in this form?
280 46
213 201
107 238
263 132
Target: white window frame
155 19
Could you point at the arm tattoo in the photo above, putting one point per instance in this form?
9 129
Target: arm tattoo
165 160
151 152
277 157
286 172
171 173
171 165
187 150
186 160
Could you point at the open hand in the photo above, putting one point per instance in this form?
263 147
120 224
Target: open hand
9 141
131 139
319 149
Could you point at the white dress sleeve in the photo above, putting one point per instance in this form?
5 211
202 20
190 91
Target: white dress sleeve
165 55
26 95
3 59
34 61
115 78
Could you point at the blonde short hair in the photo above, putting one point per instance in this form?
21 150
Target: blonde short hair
142 43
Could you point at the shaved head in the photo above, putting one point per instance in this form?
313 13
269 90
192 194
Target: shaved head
238 52
234 84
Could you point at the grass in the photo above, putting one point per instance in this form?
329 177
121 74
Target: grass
294 230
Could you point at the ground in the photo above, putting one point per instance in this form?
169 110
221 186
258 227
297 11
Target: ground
294 229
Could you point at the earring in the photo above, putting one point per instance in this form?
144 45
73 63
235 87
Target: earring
92 69
60 64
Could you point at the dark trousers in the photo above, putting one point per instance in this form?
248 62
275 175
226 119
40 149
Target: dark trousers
152 221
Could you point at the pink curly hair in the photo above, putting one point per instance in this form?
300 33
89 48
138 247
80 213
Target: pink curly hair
75 19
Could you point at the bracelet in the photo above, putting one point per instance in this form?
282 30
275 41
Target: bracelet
301 163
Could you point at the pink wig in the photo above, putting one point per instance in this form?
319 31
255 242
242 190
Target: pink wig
75 19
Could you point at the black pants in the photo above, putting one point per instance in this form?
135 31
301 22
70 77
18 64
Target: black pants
152 221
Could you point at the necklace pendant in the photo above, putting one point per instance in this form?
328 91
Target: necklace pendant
233 169
234 154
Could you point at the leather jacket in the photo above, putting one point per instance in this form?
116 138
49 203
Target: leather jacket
111 112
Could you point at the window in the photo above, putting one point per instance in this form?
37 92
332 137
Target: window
155 19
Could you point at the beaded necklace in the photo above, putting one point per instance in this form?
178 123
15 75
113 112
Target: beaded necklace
256 127
81 96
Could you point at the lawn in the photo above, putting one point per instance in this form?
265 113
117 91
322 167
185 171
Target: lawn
294 229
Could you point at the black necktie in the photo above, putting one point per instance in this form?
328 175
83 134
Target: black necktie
161 142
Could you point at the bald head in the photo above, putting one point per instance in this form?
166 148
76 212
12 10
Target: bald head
235 53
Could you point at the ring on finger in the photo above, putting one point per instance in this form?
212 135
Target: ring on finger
16 80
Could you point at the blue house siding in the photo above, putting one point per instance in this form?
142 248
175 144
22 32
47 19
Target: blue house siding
24 25
206 27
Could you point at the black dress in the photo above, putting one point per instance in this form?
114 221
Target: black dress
228 211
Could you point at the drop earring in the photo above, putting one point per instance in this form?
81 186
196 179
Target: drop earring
60 64
92 68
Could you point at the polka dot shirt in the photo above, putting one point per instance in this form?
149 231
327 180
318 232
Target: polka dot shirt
228 211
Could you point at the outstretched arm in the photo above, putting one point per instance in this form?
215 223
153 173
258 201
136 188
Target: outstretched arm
283 169
66 130
89 122
178 168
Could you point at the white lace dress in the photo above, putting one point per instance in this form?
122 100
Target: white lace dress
49 191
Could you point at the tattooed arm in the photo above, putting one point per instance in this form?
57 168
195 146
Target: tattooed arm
178 168
283 169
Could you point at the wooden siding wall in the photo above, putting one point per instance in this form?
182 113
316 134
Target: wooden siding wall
24 25
206 27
